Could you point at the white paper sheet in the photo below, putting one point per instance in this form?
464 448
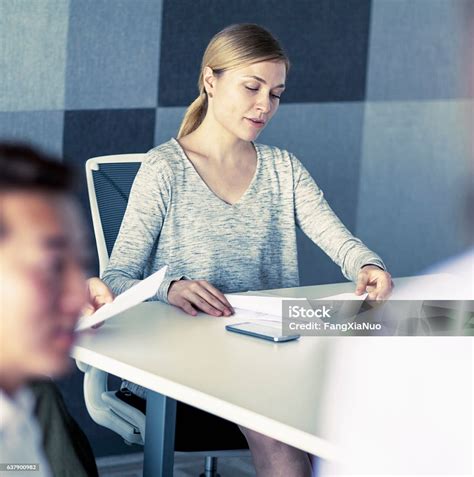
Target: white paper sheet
133 296
269 308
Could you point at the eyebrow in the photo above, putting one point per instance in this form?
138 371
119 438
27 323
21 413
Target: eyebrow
263 81
57 242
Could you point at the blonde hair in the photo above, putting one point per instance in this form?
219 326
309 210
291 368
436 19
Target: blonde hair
233 47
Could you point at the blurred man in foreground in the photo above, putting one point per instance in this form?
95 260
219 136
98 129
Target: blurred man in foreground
43 292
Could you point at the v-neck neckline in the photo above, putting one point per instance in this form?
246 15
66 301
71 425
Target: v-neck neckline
206 186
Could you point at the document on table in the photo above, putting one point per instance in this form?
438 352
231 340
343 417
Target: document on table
270 308
133 296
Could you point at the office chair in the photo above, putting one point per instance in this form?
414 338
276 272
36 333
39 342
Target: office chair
109 181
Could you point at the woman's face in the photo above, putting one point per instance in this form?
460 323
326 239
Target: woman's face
245 94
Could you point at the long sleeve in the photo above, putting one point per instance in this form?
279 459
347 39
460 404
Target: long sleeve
318 221
141 226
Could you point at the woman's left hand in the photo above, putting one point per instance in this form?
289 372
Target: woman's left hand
375 281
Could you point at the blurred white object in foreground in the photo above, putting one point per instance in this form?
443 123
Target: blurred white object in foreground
404 405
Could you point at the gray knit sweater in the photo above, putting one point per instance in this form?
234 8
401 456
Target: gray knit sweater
174 219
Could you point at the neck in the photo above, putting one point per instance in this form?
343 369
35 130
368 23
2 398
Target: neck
220 145
10 380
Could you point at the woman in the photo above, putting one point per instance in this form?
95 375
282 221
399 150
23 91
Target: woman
220 210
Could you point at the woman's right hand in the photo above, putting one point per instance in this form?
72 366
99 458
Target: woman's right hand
193 295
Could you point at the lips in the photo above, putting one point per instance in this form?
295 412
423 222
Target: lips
258 123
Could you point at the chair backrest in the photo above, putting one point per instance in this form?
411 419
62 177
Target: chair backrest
109 180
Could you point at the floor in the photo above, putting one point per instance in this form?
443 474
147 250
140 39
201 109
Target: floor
130 465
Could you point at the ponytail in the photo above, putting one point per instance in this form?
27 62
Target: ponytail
194 115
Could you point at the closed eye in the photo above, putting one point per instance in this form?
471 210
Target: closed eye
256 89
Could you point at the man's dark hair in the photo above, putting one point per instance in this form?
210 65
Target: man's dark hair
24 168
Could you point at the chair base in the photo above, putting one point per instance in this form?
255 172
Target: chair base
210 467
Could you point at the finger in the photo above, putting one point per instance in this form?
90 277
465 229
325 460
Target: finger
371 288
88 310
101 300
384 286
375 292
212 300
371 293
107 297
186 306
392 286
103 294
362 280
98 289
218 294
201 304
378 296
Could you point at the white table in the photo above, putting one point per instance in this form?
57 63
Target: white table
275 389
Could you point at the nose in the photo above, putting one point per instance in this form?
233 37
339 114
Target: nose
264 103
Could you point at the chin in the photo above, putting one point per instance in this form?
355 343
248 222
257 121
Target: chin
248 136
244 133
54 366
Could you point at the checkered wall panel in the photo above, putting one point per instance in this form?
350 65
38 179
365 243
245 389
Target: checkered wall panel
372 85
